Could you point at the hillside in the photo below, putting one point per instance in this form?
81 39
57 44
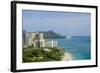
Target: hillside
52 35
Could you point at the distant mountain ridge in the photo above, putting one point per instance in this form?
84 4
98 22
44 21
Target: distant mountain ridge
51 35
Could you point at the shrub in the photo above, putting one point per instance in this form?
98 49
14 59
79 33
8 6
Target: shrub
33 54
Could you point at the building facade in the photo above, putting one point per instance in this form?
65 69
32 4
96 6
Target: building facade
37 39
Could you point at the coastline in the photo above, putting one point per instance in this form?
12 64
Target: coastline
67 57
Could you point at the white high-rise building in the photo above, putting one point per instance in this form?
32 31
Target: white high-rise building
37 40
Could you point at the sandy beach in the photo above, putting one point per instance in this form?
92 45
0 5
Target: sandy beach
67 57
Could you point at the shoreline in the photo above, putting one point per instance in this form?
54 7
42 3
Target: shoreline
67 57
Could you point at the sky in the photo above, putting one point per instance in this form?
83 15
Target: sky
64 23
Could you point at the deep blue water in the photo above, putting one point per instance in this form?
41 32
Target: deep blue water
78 46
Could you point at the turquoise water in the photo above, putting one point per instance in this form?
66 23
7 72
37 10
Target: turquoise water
79 47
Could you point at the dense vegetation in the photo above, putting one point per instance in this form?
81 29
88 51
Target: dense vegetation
33 54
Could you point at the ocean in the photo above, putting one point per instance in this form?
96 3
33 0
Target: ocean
78 46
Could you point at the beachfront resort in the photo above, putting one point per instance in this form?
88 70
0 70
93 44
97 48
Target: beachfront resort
37 40
38 49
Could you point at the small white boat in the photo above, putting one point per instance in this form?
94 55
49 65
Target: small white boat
68 37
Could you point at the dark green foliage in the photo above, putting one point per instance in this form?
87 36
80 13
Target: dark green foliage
41 55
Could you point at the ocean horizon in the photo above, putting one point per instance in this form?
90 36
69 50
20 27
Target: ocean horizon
78 46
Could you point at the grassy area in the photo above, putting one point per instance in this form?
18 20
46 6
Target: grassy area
43 54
